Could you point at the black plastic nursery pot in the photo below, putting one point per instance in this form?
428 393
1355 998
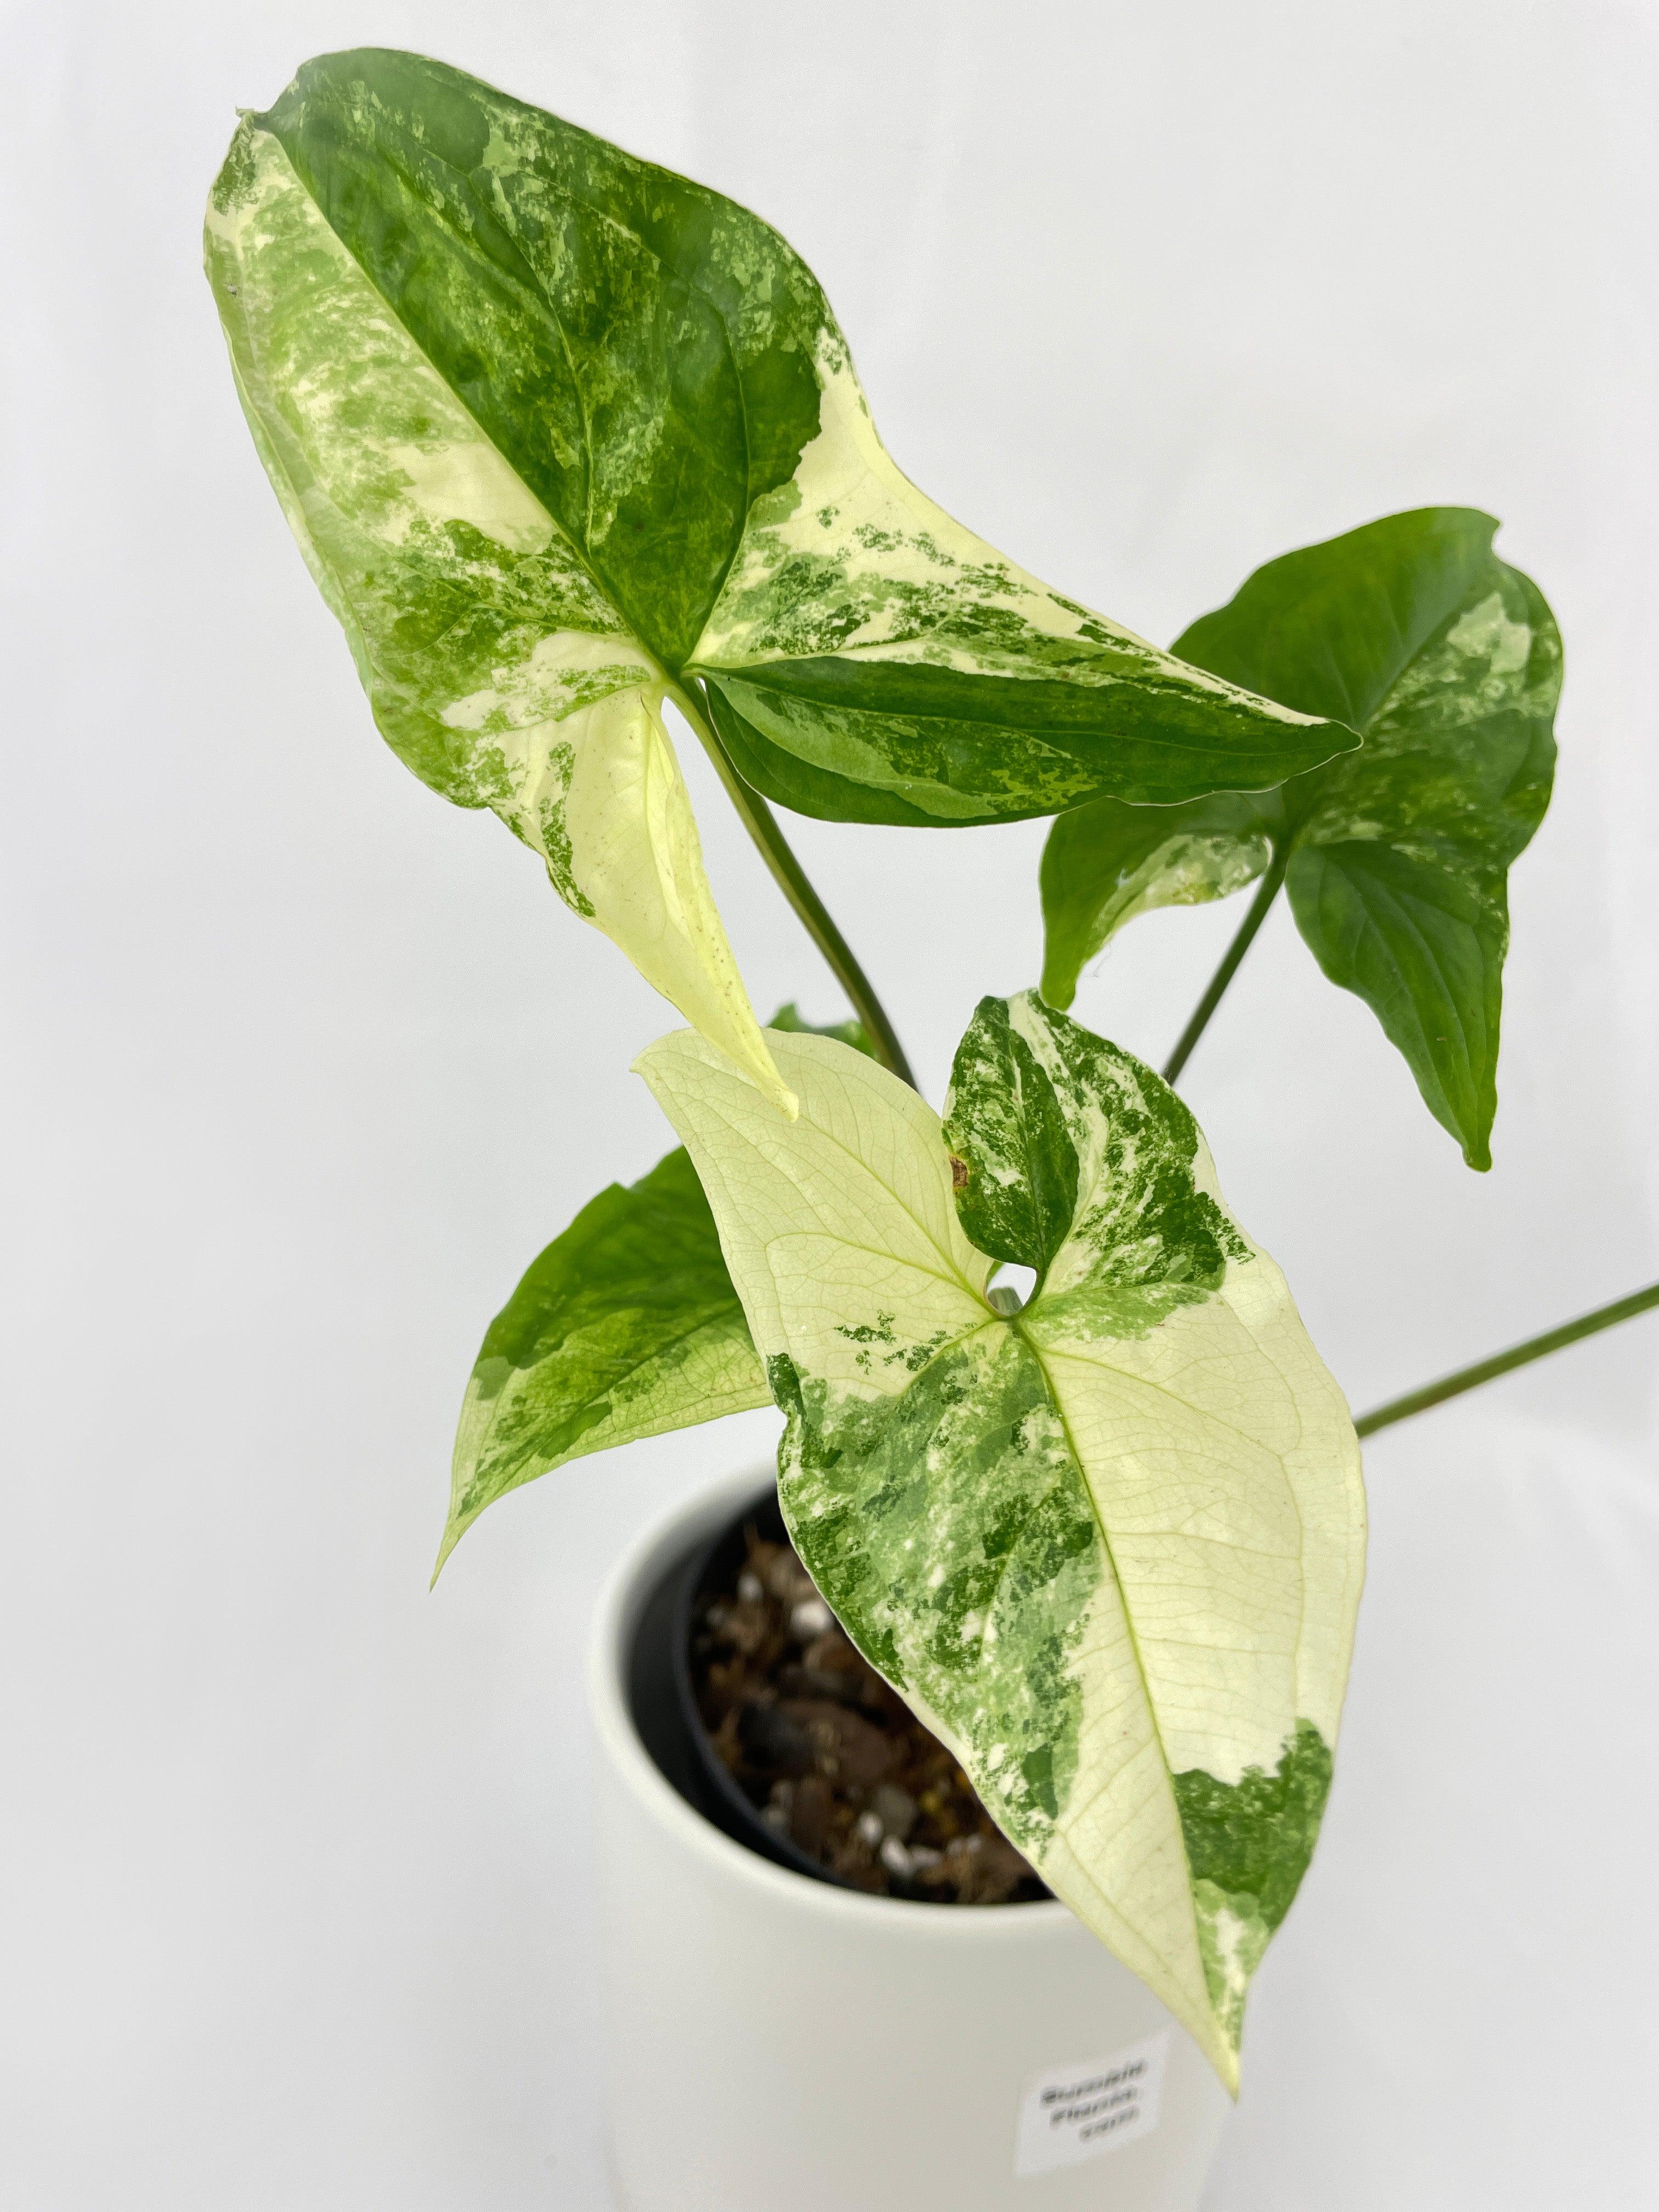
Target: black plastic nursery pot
892 1812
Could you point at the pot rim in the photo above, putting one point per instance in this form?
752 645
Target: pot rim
616 1622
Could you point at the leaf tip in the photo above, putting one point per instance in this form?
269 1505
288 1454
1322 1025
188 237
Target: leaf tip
453 1535
1475 1136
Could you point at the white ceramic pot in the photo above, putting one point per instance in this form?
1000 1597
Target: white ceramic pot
777 2045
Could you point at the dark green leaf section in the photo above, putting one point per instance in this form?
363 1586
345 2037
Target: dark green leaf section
1339 623
1249 1844
791 1021
957 747
1425 949
1448 662
1252 1839
952 1528
640 349
626 1325
1013 1162
1398 878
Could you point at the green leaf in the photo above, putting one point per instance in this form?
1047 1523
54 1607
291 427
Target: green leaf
1341 622
1105 863
1111 1547
973 732
1012 1164
1422 945
562 435
626 1325
1448 661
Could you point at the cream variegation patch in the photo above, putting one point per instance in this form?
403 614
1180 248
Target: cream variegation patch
849 506
833 1221
1189 870
569 669
466 480
1480 668
636 858
851 558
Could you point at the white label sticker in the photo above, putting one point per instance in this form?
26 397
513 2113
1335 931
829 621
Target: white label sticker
1075 2112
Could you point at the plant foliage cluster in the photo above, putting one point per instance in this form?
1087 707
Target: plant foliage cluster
565 438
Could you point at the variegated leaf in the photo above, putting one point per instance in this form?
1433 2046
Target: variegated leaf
626 1326
869 660
1109 1546
496 664
1104 864
1448 663
562 435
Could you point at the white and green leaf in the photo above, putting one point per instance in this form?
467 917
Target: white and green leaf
1448 663
562 435
869 660
1109 1546
1106 863
496 664
626 1326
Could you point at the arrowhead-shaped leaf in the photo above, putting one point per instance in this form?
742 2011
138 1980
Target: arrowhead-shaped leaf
562 435
1013 1167
1448 662
626 1325
1108 1547
375 351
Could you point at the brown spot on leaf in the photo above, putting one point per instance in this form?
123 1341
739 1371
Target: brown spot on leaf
958 1173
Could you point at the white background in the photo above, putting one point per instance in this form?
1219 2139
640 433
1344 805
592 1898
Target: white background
300 1068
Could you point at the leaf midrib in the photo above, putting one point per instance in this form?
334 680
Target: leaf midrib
955 1275
581 552
570 199
1078 1460
750 672
1327 771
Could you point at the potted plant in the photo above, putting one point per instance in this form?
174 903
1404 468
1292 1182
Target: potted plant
1060 1606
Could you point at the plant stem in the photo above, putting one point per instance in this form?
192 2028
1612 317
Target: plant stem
758 819
1483 1371
1266 894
